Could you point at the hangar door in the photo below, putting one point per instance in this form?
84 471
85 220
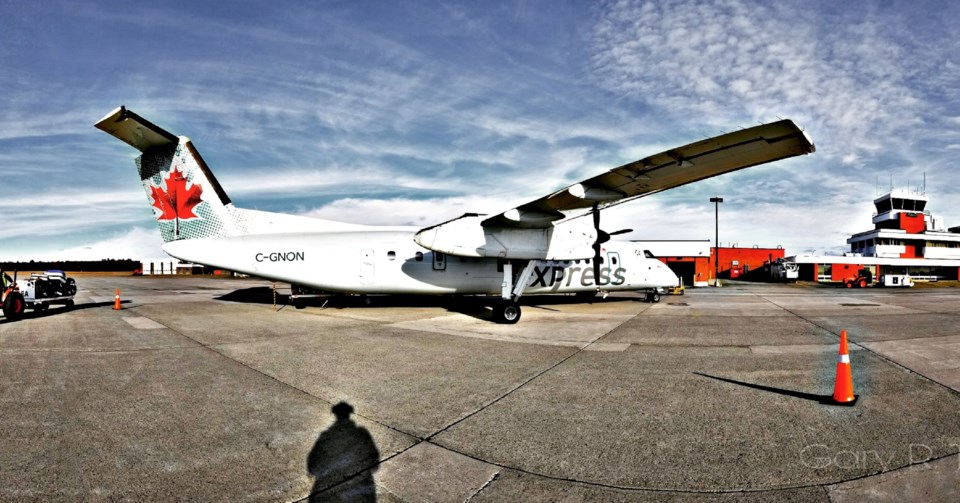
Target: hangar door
685 270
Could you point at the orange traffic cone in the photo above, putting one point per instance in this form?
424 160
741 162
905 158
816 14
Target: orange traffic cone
843 388
116 301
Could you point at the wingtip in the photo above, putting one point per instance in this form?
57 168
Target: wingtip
813 147
115 115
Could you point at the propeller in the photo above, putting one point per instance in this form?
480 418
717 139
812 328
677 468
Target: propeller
602 237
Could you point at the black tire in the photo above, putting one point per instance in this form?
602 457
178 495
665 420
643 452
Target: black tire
71 286
506 312
655 297
69 304
13 306
681 292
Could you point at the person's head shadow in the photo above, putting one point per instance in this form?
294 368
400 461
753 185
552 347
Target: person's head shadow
343 461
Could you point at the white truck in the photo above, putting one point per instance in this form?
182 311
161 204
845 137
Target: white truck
782 270
896 280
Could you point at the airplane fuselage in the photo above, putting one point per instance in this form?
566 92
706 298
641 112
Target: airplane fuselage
390 262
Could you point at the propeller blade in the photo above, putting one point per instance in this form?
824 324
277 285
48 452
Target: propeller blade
596 244
604 236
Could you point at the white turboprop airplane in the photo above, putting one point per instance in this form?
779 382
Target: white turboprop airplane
538 247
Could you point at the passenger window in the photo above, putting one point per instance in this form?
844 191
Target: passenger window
646 253
419 257
600 260
391 255
613 260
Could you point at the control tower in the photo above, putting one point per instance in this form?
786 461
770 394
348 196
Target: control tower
904 228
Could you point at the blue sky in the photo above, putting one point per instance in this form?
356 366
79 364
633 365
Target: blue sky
416 112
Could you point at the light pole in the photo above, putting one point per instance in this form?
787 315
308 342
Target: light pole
716 247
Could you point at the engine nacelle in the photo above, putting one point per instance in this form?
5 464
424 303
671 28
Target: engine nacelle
466 237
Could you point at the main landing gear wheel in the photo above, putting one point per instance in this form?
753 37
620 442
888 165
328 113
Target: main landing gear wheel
653 297
506 312
13 307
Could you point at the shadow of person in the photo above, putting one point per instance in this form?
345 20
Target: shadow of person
342 451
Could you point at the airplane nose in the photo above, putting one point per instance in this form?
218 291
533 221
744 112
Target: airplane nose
667 277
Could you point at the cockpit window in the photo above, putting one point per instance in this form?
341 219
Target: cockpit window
646 253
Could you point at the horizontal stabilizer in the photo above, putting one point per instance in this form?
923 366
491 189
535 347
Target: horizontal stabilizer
134 130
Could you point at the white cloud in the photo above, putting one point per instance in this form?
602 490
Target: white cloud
402 211
48 212
742 62
134 243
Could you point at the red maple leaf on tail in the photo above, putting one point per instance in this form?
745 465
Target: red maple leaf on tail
177 201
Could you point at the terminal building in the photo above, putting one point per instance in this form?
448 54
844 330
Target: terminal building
906 239
693 260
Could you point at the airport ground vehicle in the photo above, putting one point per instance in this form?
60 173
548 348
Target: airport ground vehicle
676 290
896 281
41 290
864 278
782 270
37 292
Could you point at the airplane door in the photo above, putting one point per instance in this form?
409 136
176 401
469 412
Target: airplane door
613 263
439 261
366 267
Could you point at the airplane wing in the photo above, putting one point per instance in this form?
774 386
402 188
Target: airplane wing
666 170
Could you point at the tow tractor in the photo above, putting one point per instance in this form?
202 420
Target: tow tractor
864 278
676 290
39 292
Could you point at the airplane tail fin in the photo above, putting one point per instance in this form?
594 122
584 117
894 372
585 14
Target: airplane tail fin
187 200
